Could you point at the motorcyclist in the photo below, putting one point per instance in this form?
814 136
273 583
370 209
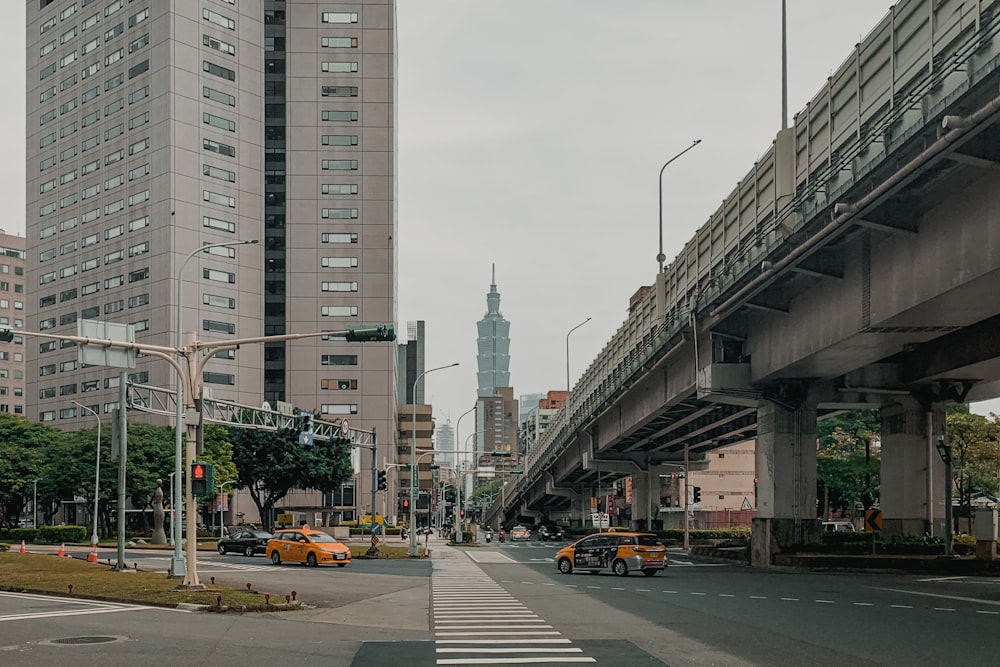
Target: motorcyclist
404 534
489 535
503 534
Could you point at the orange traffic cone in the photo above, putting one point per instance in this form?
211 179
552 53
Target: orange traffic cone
24 549
62 549
92 556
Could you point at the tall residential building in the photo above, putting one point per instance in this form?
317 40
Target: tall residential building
492 345
157 127
535 420
12 301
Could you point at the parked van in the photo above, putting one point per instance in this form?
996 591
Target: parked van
838 527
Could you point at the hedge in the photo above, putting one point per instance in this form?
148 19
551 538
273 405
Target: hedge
50 534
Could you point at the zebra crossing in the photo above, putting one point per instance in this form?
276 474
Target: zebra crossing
477 622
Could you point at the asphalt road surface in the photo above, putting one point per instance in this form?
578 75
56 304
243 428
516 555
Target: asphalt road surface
506 604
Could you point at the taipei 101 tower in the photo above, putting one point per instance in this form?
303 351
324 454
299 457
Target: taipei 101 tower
493 345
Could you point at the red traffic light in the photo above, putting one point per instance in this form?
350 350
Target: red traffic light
198 471
406 502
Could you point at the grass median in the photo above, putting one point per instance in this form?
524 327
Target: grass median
73 577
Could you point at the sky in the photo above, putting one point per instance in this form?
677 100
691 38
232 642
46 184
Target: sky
530 137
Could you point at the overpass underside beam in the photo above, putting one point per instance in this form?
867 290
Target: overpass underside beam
786 491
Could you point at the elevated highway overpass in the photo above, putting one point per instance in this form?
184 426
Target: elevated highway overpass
856 265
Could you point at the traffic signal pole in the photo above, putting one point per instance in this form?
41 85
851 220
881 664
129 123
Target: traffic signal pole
189 360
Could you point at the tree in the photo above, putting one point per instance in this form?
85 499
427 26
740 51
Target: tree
271 463
847 462
974 458
22 457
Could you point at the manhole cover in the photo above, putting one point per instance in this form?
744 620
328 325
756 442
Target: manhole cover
76 641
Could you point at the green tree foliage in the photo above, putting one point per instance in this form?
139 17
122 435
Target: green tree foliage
974 451
22 456
269 464
847 462
150 453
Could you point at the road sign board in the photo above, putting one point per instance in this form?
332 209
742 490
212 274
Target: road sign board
374 540
746 504
873 521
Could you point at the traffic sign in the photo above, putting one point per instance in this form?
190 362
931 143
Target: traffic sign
746 504
374 540
873 521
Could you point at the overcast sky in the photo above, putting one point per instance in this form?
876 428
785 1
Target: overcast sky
530 137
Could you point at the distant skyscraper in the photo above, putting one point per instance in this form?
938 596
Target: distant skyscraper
444 439
410 364
493 345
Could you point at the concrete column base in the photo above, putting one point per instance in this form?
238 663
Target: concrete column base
986 550
773 536
900 527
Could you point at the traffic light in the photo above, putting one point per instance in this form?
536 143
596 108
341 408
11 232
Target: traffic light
306 426
371 333
383 484
202 478
696 495
406 503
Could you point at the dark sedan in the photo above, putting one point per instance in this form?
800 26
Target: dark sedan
247 541
549 532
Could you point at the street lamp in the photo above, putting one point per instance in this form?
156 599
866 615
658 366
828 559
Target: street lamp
178 565
413 463
944 451
34 507
567 349
661 257
97 473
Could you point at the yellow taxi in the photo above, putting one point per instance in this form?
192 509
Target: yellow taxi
309 546
519 533
619 552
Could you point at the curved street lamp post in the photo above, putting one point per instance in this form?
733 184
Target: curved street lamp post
97 471
660 257
413 463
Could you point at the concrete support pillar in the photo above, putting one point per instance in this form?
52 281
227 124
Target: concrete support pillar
646 498
912 478
786 490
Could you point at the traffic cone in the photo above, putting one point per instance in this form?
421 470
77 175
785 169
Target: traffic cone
92 556
62 549
24 549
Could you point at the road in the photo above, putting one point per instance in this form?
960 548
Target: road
506 603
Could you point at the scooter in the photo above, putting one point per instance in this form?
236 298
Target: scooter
501 535
403 534
489 536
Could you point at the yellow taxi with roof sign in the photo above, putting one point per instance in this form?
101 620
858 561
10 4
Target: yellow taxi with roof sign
614 551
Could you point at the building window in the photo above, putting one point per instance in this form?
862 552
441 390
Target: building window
339 91
220 148
219 19
339 360
220 199
339 17
218 45
339 67
342 116
339 42
218 327
218 378
340 213
340 140
334 237
137 301
339 311
216 223
218 96
216 172
218 301
218 276
219 71
340 165
339 286
339 262
219 122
